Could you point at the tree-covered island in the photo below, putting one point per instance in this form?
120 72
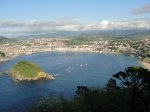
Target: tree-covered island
27 71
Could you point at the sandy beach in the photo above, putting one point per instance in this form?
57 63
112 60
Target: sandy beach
145 64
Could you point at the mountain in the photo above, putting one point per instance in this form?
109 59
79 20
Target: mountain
5 39
106 34
2 38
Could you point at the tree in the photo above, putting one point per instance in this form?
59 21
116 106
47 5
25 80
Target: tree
136 80
81 90
2 54
112 84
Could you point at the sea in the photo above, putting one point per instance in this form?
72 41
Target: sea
69 69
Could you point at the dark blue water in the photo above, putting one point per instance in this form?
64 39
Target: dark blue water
69 69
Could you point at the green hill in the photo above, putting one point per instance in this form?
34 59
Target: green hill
27 71
3 39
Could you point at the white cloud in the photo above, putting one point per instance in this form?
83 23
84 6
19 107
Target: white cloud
105 24
36 26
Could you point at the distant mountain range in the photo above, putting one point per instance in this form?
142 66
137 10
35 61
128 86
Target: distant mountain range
106 34
2 38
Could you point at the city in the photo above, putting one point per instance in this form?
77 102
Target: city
139 48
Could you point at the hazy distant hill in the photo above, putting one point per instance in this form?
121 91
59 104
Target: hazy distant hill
134 33
4 39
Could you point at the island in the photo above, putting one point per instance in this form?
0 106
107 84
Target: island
27 71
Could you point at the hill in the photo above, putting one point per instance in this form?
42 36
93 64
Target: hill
2 38
106 34
5 39
27 71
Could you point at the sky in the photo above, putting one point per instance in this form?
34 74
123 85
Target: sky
25 16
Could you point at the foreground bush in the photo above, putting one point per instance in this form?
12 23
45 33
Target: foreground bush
130 94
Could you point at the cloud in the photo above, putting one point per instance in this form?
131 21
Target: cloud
10 24
141 10
36 26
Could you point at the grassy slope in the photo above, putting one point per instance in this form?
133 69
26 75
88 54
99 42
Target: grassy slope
27 69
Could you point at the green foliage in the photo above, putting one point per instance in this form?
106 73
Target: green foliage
112 85
114 98
47 104
2 54
86 100
136 80
79 41
27 69
147 58
101 100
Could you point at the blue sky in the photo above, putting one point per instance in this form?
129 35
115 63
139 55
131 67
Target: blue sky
82 10
26 16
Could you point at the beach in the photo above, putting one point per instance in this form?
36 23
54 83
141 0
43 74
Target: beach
145 64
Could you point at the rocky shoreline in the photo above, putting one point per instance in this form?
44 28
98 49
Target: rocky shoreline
18 79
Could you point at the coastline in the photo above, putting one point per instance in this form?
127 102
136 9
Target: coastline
63 51
6 59
145 64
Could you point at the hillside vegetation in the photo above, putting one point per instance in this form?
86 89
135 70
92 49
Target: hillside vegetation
24 70
126 91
